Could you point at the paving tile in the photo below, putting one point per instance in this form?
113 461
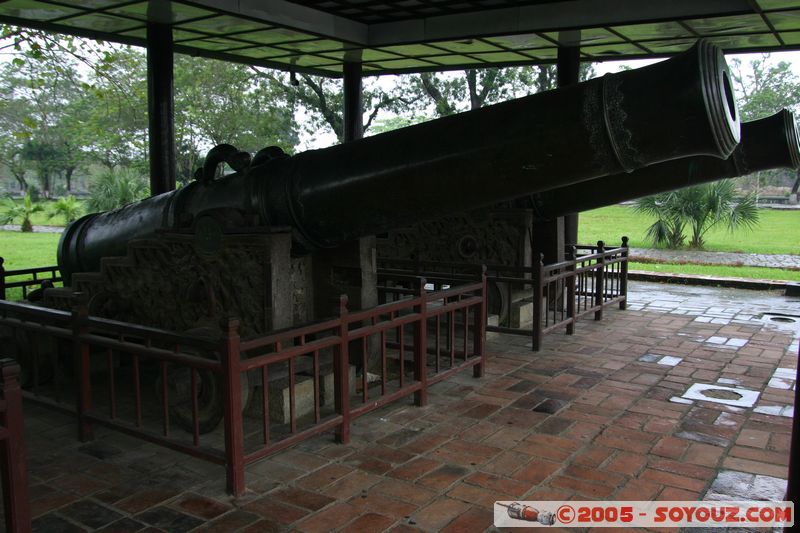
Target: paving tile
168 519
368 523
90 514
52 523
201 506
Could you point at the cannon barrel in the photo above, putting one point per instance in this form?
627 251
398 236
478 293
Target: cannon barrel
677 108
767 143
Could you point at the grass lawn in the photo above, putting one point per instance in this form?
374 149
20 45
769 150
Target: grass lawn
778 232
26 250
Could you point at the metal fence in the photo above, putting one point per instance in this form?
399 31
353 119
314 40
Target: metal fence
268 392
12 451
25 278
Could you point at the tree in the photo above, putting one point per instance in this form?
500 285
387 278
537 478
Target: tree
451 93
220 102
700 208
323 99
115 188
66 207
21 211
764 88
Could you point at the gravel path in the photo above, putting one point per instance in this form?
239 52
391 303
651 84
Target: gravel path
716 258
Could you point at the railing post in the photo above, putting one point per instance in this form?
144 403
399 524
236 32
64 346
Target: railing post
421 346
481 316
12 450
538 290
599 288
570 281
341 374
81 353
232 407
2 279
623 275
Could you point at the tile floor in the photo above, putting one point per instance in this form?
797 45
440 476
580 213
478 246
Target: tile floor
596 415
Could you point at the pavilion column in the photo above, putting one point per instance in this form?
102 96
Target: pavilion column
568 72
351 268
160 108
550 236
353 102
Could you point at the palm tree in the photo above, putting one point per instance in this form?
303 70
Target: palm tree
20 211
701 208
115 188
67 207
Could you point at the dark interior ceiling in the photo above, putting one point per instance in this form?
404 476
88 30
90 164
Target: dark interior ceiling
318 36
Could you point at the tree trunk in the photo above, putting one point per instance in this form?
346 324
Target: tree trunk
796 185
68 177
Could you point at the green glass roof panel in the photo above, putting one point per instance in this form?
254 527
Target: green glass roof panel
722 25
448 60
606 50
791 37
744 41
315 46
178 12
521 42
307 60
29 9
543 53
258 52
274 36
669 46
588 37
501 57
412 50
215 44
785 20
179 35
660 30
398 64
778 4
224 24
101 22
367 54
139 33
335 68
467 46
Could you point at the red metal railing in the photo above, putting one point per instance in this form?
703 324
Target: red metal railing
31 277
589 280
12 451
196 378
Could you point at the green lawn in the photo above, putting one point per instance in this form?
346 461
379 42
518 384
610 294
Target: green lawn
778 232
26 250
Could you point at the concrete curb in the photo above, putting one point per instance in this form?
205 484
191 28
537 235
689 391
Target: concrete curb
693 279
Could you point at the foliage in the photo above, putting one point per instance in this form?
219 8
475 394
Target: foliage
115 188
763 88
20 211
699 208
67 207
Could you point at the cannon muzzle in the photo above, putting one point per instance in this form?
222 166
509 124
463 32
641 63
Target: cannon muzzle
618 123
767 143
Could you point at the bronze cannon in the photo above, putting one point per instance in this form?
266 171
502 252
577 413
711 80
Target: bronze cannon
767 143
618 123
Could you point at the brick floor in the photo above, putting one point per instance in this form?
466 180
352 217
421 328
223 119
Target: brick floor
586 417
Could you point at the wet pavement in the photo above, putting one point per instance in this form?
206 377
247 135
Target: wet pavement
601 414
